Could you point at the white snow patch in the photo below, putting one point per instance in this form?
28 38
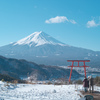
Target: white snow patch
40 92
57 54
42 56
37 39
85 57
96 55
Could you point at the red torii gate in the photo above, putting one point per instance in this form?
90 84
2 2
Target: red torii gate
77 66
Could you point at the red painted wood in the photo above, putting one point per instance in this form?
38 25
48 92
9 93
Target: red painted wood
78 60
85 71
77 66
70 73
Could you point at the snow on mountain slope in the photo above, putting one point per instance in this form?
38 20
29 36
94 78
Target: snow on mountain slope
41 48
37 39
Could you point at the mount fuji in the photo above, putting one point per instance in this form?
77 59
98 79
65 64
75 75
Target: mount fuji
37 39
41 48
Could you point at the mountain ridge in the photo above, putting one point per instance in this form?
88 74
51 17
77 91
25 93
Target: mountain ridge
49 52
37 39
23 69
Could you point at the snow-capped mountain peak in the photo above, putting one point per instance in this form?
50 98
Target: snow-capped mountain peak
37 39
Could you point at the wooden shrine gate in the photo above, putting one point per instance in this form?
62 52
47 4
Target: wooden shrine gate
77 66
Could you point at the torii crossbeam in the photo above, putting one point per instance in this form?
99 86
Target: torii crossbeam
77 66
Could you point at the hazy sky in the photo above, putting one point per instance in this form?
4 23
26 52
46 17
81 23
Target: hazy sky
74 22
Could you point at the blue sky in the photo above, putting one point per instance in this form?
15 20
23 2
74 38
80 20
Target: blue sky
74 22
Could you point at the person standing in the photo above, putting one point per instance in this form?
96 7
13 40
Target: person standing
90 84
85 84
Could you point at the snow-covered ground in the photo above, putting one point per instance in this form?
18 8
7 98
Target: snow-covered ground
40 92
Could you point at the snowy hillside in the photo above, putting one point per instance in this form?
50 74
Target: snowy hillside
40 92
37 39
22 68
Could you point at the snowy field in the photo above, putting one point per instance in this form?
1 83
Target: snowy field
40 92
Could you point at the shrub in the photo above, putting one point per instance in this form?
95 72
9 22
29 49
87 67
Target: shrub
49 83
58 83
97 80
79 82
2 80
10 79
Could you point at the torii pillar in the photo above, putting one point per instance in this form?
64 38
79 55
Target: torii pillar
77 66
